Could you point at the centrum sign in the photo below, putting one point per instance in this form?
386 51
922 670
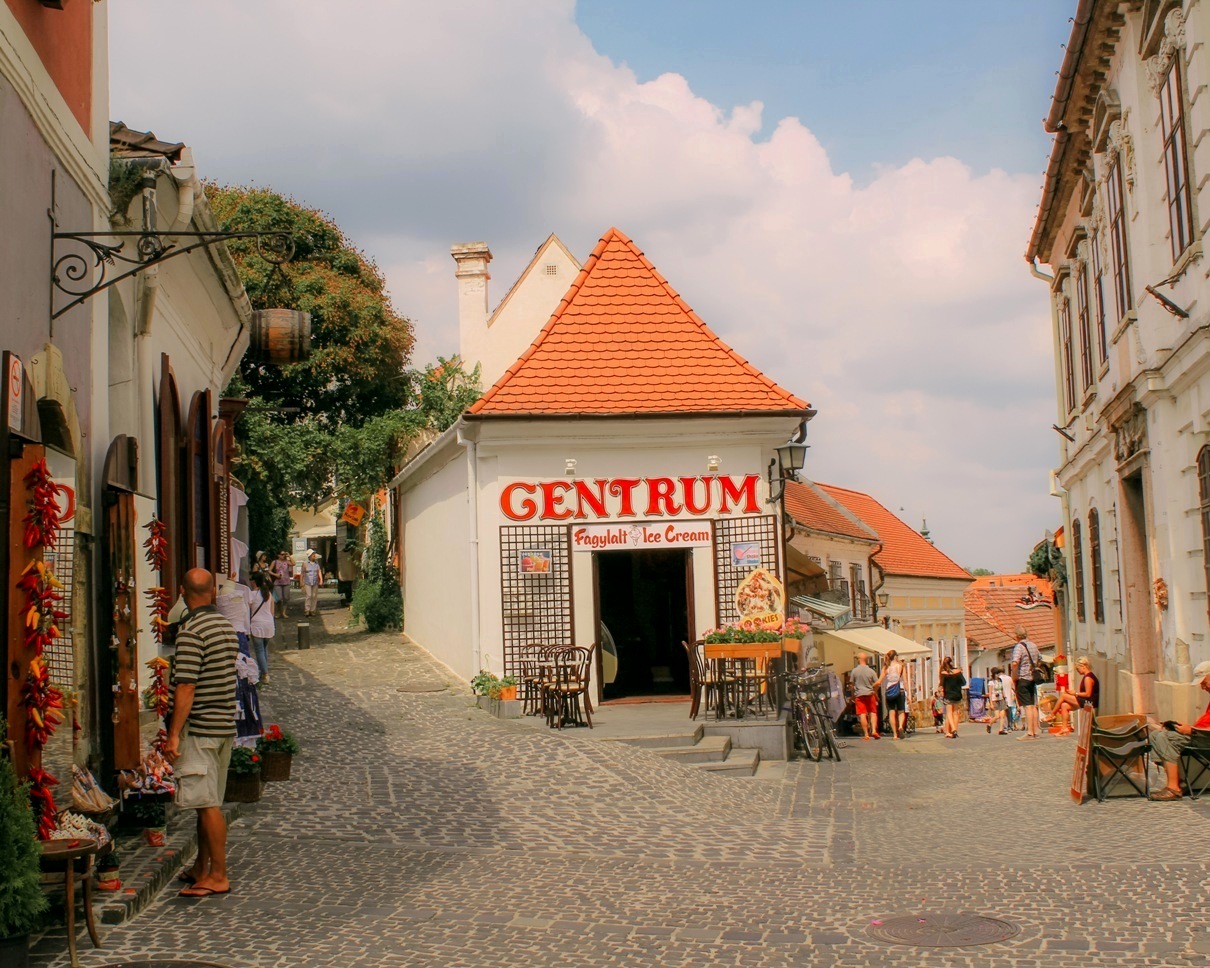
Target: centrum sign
651 534
629 497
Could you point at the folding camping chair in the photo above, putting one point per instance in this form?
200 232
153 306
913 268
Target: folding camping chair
1195 763
1118 760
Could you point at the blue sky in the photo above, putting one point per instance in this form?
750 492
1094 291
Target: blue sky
878 81
860 239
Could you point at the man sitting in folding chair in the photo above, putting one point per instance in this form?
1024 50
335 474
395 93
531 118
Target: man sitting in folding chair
1167 740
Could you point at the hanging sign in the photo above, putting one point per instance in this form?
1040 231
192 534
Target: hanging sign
535 561
14 392
645 534
353 514
745 555
629 497
760 601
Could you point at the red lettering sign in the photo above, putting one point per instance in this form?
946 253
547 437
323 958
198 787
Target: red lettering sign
625 497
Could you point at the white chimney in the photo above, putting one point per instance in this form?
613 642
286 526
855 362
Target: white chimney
472 275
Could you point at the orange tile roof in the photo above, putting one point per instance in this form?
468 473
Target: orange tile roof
904 550
814 510
622 341
994 610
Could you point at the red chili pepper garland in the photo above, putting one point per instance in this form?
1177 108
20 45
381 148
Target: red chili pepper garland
41 613
43 703
45 514
42 801
159 695
159 599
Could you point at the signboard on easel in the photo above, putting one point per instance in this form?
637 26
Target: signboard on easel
1079 774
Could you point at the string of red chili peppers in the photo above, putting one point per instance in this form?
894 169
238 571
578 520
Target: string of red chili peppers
40 615
159 598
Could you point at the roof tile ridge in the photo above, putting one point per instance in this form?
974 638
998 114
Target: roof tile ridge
701 323
855 518
589 264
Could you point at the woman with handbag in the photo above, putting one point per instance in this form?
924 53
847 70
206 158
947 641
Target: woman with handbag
952 684
895 690
1027 672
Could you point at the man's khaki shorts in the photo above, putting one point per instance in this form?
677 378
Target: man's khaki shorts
201 770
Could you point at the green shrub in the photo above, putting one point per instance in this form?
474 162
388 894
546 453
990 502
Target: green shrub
377 598
21 897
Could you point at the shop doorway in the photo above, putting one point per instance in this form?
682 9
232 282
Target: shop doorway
644 602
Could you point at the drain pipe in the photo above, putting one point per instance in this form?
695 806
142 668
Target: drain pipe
472 503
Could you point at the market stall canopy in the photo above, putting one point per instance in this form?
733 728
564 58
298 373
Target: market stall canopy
834 612
839 648
799 563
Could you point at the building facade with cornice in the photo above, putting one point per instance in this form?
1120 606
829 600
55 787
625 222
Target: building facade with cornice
1121 223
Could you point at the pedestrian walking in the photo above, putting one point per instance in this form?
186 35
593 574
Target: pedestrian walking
865 697
233 600
282 569
952 684
260 565
1026 662
261 626
895 688
938 707
312 578
201 728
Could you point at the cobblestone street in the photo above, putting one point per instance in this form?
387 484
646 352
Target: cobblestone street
418 830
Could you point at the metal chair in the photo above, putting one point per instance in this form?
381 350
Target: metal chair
566 691
1118 758
702 682
1195 763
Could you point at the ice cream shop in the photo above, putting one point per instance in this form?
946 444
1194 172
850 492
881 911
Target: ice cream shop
612 487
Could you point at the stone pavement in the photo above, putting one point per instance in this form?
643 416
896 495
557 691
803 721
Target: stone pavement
418 830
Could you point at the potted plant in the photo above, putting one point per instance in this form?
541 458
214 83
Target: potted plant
276 748
109 877
504 689
151 814
243 775
21 897
792 634
483 683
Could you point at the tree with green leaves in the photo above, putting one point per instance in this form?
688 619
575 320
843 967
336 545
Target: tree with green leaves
21 897
338 423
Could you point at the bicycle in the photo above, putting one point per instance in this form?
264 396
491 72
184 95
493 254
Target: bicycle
813 733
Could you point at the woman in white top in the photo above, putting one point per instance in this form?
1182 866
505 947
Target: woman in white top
895 689
260 621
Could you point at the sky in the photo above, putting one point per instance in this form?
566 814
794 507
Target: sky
842 191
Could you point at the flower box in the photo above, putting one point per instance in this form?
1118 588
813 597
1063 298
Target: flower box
243 787
275 765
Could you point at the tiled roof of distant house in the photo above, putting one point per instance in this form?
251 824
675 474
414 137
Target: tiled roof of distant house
811 508
996 604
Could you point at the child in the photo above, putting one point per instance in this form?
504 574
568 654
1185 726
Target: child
938 708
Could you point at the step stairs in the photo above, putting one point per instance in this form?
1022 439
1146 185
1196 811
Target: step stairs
713 754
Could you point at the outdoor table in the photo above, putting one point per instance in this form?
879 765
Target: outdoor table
67 853
716 652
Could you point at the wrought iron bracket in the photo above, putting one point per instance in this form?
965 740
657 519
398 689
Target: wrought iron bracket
81 261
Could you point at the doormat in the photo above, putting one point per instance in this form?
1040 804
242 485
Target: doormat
637 700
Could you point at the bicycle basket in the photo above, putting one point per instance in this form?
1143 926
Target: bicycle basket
816 686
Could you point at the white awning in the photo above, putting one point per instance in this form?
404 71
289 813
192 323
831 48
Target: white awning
832 610
839 647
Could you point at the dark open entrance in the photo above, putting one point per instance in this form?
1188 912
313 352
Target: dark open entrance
643 599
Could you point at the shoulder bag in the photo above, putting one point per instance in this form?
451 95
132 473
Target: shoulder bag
1039 675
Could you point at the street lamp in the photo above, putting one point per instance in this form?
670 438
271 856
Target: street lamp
791 458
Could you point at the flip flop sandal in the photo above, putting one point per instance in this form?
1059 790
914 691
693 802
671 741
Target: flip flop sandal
1164 795
200 892
186 878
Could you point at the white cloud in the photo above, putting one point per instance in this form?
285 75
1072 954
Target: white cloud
900 308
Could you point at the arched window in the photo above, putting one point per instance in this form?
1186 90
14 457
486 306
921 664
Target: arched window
1203 493
1094 563
1077 556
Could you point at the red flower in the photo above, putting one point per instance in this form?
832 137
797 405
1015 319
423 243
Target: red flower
255 758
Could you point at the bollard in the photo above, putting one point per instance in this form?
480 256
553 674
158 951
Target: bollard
304 635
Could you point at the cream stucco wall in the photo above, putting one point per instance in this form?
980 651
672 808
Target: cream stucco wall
1154 388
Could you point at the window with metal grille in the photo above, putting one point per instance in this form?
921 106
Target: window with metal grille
854 584
1094 563
1077 557
1082 324
552 270
1119 260
1203 490
1176 160
1098 297
727 531
535 582
1069 383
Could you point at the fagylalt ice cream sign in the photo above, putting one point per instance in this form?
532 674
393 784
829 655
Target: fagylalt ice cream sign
629 497
648 534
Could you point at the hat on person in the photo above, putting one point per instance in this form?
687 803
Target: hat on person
312 553
1200 673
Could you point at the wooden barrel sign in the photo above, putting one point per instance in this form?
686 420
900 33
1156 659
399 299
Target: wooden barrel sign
280 336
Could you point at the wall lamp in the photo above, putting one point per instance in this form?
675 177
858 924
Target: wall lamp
791 458
569 467
883 599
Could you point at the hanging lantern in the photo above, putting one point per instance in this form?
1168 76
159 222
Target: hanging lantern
280 336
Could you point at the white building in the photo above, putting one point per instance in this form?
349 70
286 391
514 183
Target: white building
1121 224
614 473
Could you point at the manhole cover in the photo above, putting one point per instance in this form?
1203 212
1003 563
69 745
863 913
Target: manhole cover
942 930
166 964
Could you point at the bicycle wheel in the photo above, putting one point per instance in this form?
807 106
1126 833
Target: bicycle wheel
812 740
831 747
